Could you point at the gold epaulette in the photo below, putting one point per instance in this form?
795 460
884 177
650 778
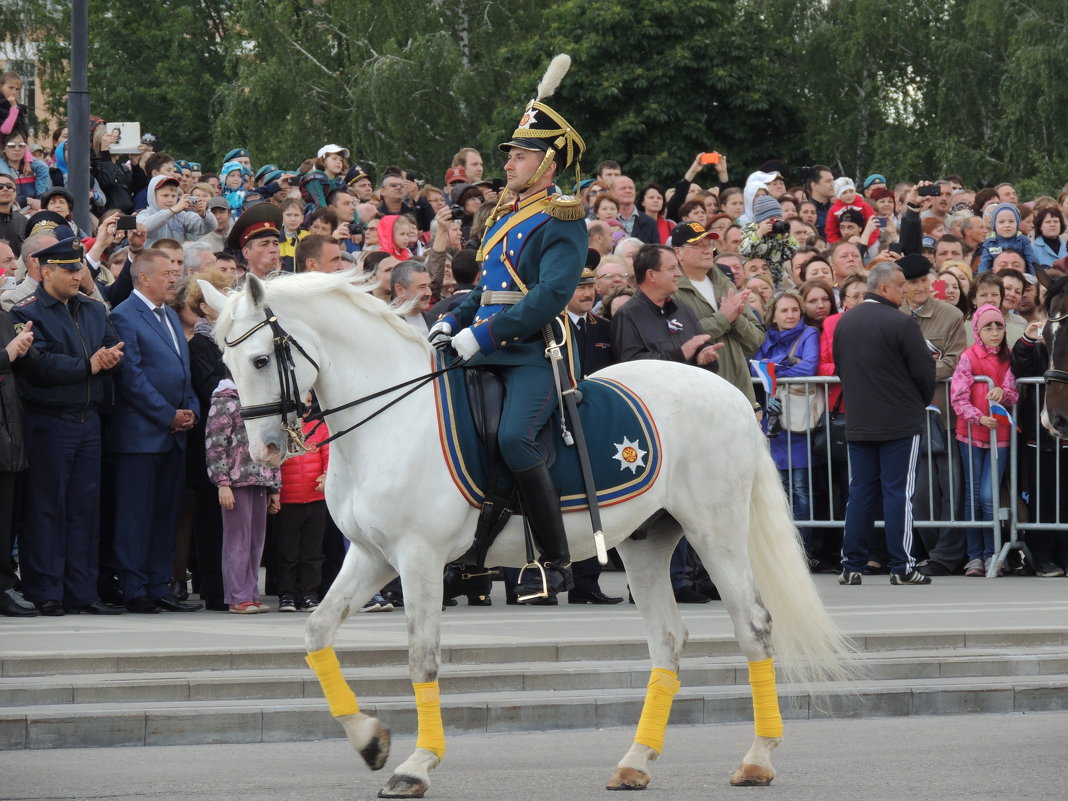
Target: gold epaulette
565 207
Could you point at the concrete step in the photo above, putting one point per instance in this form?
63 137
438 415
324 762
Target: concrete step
377 682
14 664
287 720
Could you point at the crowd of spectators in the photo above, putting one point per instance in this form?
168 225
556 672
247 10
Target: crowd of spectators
749 270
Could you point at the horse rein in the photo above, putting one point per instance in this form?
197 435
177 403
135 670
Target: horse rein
290 403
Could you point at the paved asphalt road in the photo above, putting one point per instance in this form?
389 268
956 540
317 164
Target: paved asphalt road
1013 757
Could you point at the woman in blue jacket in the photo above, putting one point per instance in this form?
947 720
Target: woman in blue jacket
794 348
1049 236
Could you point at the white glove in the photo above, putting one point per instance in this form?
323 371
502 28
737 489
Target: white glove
465 344
440 334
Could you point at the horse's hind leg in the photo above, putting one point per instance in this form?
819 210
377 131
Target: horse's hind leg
725 554
423 587
361 575
648 572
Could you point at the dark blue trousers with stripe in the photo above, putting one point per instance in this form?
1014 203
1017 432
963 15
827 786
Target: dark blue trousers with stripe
883 476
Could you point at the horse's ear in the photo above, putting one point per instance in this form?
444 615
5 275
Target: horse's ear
1043 276
212 296
254 287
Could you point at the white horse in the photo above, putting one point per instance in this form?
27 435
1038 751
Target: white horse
389 490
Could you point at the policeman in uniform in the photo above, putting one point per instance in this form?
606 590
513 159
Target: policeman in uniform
62 386
256 235
591 332
532 254
592 335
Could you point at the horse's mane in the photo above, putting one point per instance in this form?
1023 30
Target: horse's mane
353 284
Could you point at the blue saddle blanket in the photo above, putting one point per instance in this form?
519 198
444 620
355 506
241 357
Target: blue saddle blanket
623 443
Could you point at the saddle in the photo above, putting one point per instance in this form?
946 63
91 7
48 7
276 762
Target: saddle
485 392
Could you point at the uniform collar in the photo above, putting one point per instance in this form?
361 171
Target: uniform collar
528 201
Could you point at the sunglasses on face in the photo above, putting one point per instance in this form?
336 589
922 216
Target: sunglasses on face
16 145
6 186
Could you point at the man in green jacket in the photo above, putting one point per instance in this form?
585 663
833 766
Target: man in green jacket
723 312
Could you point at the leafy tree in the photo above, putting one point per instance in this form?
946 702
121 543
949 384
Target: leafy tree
405 83
157 63
653 83
975 94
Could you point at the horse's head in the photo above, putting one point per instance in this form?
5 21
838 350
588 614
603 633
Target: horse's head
272 368
1055 334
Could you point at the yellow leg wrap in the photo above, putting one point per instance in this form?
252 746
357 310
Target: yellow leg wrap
428 707
662 686
766 718
337 691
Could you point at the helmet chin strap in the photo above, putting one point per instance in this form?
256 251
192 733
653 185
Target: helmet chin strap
550 155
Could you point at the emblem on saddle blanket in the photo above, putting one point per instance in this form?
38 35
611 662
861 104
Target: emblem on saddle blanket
624 444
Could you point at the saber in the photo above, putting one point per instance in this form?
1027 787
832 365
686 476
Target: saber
567 396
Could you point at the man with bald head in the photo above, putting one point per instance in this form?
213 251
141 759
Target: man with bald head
599 237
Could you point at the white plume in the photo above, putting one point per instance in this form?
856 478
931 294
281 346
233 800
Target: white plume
554 73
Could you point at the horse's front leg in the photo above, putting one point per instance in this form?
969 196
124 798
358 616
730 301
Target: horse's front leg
423 587
361 575
648 572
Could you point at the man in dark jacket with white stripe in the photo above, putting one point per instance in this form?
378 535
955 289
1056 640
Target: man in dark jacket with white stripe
888 378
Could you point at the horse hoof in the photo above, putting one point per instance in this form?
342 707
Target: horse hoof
376 752
403 787
628 779
752 776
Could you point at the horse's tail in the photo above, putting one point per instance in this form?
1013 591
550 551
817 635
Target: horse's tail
808 644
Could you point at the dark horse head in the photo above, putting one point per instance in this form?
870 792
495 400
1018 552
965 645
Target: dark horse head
1055 334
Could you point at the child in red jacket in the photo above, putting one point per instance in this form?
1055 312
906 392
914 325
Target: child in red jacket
300 524
846 197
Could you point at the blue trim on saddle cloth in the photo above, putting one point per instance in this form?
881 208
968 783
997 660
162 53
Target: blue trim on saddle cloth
623 441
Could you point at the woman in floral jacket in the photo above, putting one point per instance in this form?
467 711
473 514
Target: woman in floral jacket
247 493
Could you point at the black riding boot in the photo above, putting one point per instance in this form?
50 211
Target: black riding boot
541 506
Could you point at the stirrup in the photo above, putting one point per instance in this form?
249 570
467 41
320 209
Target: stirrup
544 582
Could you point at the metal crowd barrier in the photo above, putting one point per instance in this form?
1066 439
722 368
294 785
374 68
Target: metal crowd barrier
940 504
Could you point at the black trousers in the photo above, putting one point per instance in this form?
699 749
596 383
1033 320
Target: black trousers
298 548
206 557
8 579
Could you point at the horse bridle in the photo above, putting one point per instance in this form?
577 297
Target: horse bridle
290 405
1053 375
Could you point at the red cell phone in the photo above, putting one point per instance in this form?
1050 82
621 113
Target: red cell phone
938 289
709 158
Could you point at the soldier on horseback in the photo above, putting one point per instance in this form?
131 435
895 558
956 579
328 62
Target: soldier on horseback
532 256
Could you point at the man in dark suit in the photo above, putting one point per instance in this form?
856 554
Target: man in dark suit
155 405
636 223
593 342
592 333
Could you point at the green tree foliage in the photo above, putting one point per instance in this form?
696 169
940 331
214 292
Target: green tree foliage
156 63
910 88
917 89
655 82
405 82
